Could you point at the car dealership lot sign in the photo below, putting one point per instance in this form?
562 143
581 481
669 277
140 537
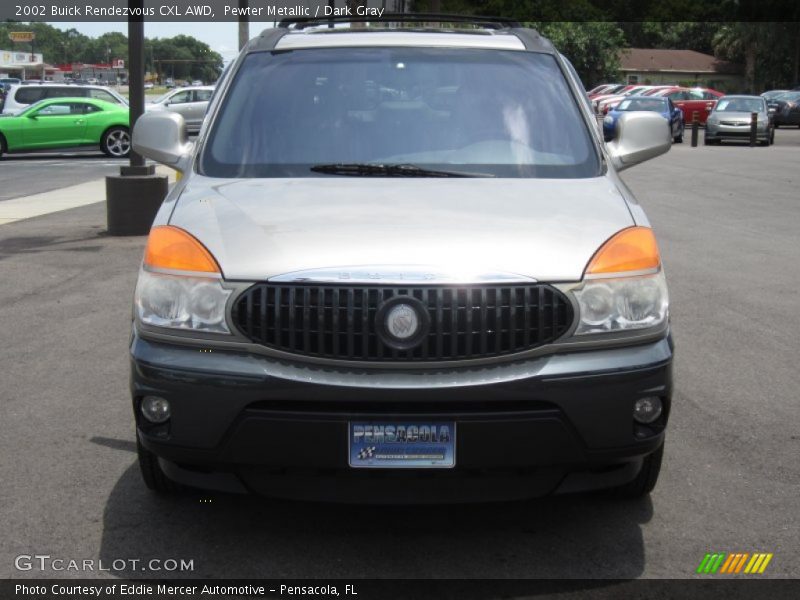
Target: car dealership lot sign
22 36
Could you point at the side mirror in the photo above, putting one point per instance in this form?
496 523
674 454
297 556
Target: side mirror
640 136
162 137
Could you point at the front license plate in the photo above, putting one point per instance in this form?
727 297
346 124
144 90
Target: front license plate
402 444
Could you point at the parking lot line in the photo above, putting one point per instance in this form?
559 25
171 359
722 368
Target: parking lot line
35 205
56 200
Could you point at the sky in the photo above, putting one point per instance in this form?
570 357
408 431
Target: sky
221 37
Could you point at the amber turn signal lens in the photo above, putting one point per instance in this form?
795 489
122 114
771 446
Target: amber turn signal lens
632 249
172 248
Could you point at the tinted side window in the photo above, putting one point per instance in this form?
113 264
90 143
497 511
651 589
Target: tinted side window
102 95
67 108
29 95
202 95
65 92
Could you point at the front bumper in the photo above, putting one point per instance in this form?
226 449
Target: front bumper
735 132
556 423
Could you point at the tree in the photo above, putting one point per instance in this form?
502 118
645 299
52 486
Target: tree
592 47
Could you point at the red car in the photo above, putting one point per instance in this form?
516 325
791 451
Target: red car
693 100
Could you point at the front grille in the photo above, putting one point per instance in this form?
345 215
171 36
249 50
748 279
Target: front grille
339 322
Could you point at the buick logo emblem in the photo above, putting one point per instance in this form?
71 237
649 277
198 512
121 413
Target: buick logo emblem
402 322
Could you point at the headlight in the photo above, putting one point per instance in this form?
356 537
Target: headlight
609 120
622 303
181 302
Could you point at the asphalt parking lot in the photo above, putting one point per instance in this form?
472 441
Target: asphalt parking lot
728 220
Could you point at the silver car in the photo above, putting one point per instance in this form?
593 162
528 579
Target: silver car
190 103
732 117
401 267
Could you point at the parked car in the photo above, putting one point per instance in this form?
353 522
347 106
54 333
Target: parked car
785 109
603 105
190 103
772 94
662 106
644 90
149 85
596 100
731 120
399 255
169 84
601 89
61 123
197 82
609 91
21 96
695 101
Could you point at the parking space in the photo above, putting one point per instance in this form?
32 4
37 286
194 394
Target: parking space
728 220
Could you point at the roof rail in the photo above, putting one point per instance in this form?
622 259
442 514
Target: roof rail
485 22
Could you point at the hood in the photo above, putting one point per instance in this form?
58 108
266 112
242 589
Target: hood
546 229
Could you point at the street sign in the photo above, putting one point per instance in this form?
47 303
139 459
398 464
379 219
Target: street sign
22 36
118 64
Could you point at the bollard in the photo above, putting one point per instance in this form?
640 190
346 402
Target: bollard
695 128
753 128
133 199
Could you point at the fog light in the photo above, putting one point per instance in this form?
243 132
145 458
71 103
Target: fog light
155 409
647 410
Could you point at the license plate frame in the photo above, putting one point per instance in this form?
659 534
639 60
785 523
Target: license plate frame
371 446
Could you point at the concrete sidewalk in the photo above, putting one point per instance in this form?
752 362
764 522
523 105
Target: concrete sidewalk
35 205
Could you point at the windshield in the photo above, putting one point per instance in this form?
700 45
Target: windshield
647 104
740 105
789 97
501 113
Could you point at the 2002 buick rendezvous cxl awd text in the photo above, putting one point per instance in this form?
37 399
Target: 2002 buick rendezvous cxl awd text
401 267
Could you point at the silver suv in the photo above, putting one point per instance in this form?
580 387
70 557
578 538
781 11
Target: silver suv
401 267
22 95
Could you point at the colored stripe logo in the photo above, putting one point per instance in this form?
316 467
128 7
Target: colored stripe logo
732 563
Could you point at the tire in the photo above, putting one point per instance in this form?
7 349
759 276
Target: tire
116 142
706 141
2 146
154 478
645 481
679 138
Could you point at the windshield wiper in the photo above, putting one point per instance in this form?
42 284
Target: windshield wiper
391 170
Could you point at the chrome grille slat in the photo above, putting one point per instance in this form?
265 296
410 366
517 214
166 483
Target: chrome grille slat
338 321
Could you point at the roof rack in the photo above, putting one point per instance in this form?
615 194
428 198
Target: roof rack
485 22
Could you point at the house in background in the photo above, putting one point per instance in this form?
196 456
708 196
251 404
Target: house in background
650 66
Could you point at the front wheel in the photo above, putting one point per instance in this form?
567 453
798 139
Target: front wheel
116 142
647 478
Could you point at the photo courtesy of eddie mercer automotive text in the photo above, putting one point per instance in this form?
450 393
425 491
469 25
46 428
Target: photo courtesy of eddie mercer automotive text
400 266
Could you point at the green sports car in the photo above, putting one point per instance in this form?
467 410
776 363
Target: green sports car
59 123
